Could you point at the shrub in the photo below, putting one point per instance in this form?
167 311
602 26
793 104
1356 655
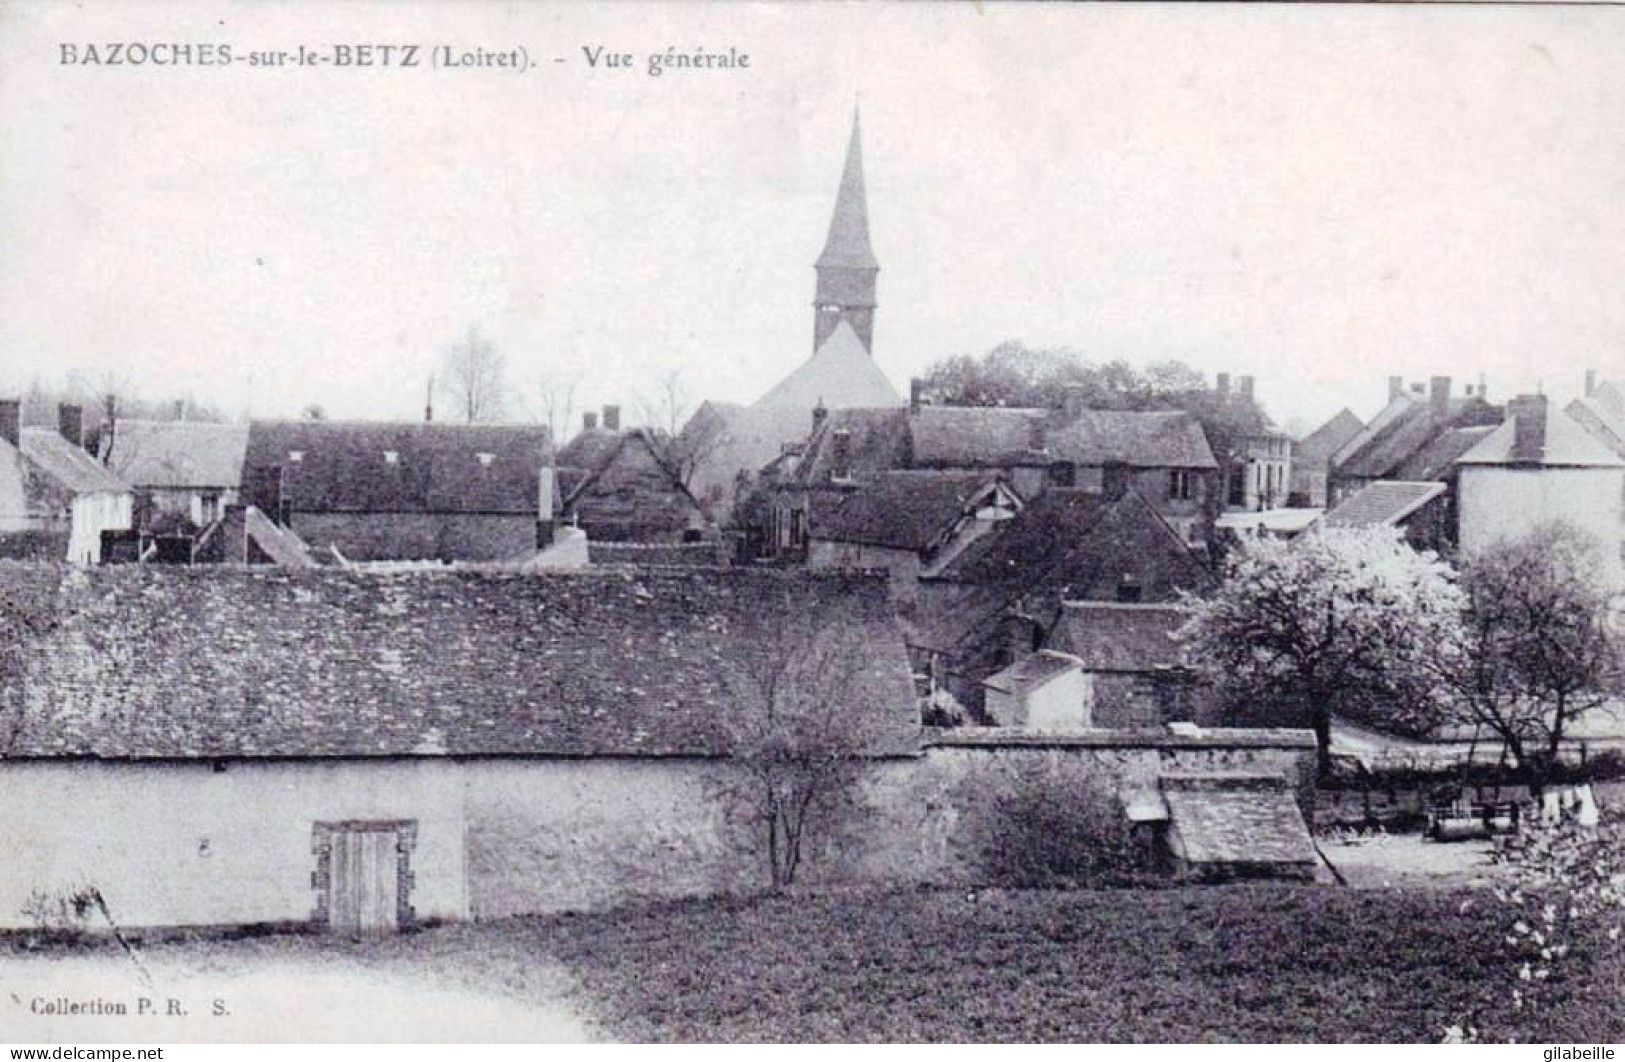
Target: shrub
1041 825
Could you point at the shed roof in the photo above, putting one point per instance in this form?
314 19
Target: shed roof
1031 672
1235 818
908 510
219 662
1383 504
1112 636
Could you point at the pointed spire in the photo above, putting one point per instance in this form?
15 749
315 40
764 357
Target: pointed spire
847 245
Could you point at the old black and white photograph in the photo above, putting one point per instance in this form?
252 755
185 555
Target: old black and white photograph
679 522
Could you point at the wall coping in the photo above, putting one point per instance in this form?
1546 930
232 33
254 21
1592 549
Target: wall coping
1208 738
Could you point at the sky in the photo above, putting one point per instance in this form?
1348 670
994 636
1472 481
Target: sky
1318 196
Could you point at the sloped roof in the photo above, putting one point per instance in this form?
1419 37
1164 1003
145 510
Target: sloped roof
1233 818
1112 636
156 661
1438 458
841 374
1002 437
1319 445
877 442
67 464
1412 427
1033 543
279 543
1606 423
1383 503
178 454
909 510
1031 672
847 245
590 450
1565 444
344 467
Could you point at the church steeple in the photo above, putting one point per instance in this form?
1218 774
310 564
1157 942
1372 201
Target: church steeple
847 268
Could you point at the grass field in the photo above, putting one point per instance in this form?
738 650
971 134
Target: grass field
1243 962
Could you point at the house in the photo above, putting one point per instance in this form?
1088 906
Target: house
910 523
1408 425
56 501
373 491
1136 672
621 486
186 469
1538 467
1420 510
841 373
1044 692
1257 470
1312 455
1001 597
356 751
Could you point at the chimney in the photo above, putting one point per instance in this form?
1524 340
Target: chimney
1114 480
1074 400
820 414
1483 389
916 394
1439 397
1019 634
840 461
180 409
1221 384
1591 382
612 418
544 507
109 427
70 421
11 421
1396 387
428 402
1247 389
589 421
1037 434
1528 414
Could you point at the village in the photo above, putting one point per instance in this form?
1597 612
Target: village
1022 623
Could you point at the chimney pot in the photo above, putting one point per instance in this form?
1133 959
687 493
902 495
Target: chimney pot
589 421
612 418
11 420
70 421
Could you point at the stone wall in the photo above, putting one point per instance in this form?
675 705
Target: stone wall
419 536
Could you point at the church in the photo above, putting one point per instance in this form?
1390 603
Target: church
841 372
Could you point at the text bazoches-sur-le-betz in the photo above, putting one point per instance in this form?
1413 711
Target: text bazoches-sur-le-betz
389 57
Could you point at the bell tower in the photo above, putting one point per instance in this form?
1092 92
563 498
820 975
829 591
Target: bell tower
847 267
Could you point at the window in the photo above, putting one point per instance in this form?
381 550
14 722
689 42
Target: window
1128 588
1181 485
1063 474
391 457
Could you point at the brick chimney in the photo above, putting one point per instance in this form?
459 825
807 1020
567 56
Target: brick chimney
1439 397
589 421
840 458
1528 413
70 421
1396 387
11 421
1221 386
1074 400
916 394
612 418
1247 389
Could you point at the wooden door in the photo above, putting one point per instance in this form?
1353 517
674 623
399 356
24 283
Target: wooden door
364 881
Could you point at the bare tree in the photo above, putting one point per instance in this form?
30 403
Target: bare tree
556 397
474 378
682 441
796 729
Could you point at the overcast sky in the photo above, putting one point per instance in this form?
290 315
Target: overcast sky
1319 196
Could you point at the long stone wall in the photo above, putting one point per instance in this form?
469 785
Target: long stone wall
195 843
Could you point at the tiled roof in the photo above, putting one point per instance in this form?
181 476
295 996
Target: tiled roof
1383 504
1438 458
1599 417
841 374
175 454
1031 672
1034 542
69 465
1565 444
1237 819
902 510
1002 437
1412 428
590 450
216 662
439 468
1317 447
1108 636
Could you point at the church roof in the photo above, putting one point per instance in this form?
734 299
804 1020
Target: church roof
841 374
847 245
